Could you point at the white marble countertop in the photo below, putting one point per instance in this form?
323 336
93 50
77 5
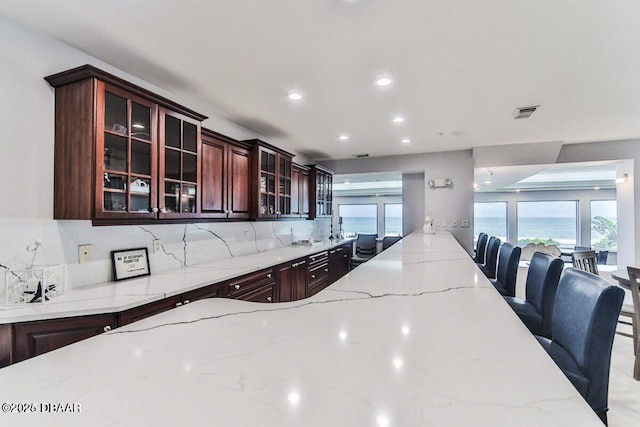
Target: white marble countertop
416 336
113 297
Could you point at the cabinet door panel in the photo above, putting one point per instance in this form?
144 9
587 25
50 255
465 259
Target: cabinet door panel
213 182
35 338
239 164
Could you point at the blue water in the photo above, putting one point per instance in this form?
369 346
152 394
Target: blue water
369 225
562 230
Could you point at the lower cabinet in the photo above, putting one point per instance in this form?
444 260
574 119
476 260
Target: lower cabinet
257 287
35 338
318 272
339 261
292 280
142 312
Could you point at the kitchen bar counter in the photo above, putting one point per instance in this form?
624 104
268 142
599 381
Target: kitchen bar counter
416 336
114 297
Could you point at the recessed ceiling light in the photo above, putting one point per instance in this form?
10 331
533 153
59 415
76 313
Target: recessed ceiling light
295 96
405 141
346 182
517 190
343 137
596 188
475 185
384 81
487 182
398 119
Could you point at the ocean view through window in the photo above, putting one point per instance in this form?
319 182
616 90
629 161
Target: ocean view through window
552 223
393 219
490 218
359 218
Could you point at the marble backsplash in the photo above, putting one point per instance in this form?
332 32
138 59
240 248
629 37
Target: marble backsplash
181 244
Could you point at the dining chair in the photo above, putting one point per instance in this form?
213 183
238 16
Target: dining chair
481 248
540 289
508 260
634 283
489 267
602 257
583 324
389 240
366 248
586 261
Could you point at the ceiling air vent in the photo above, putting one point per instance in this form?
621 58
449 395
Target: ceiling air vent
524 112
361 155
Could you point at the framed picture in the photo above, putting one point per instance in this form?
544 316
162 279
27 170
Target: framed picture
129 263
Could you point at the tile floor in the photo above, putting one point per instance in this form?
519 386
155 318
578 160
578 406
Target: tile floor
624 391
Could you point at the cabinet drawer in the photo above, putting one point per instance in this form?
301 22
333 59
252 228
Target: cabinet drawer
211 291
318 274
319 258
148 310
239 286
261 294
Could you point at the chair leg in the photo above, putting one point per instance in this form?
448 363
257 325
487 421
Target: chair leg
603 416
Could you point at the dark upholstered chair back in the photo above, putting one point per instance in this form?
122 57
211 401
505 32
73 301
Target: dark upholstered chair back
586 261
389 240
492 257
481 248
584 321
508 261
542 283
366 245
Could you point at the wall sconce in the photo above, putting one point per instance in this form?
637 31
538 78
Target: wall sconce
622 179
440 183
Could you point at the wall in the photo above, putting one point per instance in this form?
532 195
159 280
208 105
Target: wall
413 187
26 171
444 203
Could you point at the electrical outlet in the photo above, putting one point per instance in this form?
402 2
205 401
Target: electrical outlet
464 223
157 246
436 223
84 253
454 222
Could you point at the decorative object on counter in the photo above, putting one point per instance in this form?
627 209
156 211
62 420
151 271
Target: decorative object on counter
130 263
36 283
428 227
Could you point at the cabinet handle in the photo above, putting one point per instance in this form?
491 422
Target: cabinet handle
154 210
178 304
237 286
326 270
230 211
268 275
187 301
278 213
313 259
269 299
106 328
313 276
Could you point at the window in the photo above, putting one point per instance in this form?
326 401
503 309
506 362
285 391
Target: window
551 223
604 225
393 219
490 218
359 218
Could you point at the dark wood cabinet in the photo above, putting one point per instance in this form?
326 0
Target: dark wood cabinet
35 338
339 261
272 172
318 272
258 287
292 280
321 184
122 152
225 177
299 191
147 310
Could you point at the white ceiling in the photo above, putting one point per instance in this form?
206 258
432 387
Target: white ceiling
460 68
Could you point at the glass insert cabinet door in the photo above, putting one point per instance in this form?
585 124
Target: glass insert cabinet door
179 165
267 183
126 127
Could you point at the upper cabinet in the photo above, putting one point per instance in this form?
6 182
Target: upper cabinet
122 152
226 167
321 182
273 181
299 191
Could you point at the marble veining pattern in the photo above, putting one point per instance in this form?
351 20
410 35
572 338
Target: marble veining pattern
394 343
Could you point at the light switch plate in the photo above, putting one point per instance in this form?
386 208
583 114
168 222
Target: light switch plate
157 246
454 222
464 223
